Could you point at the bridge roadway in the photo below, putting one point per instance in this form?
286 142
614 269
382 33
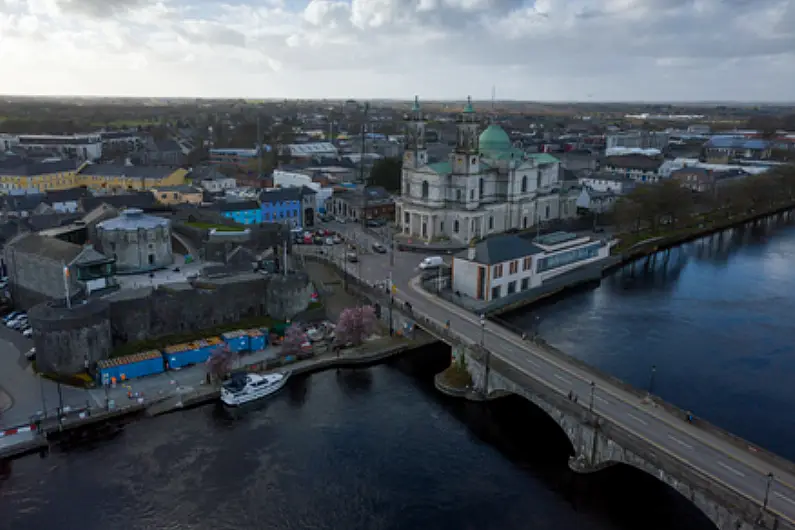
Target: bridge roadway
723 462
733 467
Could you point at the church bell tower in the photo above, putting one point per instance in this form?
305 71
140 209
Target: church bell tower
416 154
465 157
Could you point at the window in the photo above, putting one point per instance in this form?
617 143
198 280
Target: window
568 257
425 189
524 184
513 267
497 272
458 195
407 217
525 284
491 223
455 226
471 195
512 287
524 222
482 188
495 292
546 212
527 263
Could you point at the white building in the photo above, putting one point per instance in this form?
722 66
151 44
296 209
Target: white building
75 146
637 139
508 264
604 182
287 179
315 149
486 187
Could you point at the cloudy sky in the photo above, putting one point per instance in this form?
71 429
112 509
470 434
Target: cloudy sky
585 50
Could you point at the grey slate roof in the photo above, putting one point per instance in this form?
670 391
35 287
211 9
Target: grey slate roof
132 220
22 203
67 195
633 162
12 167
501 248
280 195
236 206
182 188
49 247
116 170
142 199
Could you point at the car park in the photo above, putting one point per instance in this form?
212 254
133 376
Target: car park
378 247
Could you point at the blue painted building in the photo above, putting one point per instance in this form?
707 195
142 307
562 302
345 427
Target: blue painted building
243 212
282 205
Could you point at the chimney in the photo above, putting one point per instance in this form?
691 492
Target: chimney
471 251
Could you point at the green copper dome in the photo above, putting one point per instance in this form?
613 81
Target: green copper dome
494 140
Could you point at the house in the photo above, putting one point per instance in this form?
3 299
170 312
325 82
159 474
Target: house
43 268
242 212
723 149
22 173
373 202
66 201
594 201
701 179
283 205
120 177
508 264
142 200
604 182
165 152
310 150
639 168
74 146
213 180
21 205
181 194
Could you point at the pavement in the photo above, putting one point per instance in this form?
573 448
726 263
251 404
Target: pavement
728 464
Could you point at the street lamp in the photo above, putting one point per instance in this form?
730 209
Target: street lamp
482 329
770 478
593 390
488 354
651 378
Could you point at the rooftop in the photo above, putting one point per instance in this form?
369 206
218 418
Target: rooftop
54 249
133 219
11 166
120 170
142 200
180 188
501 248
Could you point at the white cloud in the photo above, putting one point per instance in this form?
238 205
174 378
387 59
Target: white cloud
542 49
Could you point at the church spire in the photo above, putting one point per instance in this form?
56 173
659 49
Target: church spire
467 125
415 136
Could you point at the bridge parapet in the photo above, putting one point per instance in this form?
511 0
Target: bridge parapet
598 442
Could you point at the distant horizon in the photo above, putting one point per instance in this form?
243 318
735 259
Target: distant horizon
254 100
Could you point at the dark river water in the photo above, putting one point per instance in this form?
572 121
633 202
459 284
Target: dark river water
379 448
717 320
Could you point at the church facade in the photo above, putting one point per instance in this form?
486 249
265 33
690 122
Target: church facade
487 186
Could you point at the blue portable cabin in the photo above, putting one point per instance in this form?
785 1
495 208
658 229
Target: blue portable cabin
257 339
236 341
190 353
130 366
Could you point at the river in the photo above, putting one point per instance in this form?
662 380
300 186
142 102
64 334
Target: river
716 319
375 448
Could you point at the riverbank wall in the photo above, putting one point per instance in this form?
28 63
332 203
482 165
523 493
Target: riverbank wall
652 246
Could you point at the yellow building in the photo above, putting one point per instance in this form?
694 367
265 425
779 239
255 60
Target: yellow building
120 178
39 176
182 194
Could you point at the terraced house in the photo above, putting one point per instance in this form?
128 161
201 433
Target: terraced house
116 178
20 174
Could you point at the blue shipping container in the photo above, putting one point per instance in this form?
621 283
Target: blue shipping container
129 367
236 341
257 341
188 357
142 368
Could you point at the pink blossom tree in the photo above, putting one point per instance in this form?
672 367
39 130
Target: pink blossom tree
220 362
355 325
293 339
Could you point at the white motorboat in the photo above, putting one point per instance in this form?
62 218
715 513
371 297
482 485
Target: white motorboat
243 388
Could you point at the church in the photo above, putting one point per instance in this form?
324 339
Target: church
487 186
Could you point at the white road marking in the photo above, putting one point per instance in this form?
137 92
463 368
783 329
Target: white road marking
567 381
603 400
730 468
532 362
783 497
680 442
636 418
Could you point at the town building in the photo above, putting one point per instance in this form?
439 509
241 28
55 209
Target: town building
310 150
23 174
42 269
142 200
165 152
355 204
486 186
181 194
593 201
702 180
637 140
213 180
724 149
245 212
123 141
241 159
635 167
137 242
80 147
507 264
114 178
607 182
295 206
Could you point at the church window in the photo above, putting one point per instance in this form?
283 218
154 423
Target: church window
524 184
458 195
524 222
546 213
471 195
455 226
474 160
491 222
482 188
425 189
407 217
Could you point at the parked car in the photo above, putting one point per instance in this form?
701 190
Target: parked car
375 223
336 239
28 332
378 247
329 241
31 354
12 315
351 256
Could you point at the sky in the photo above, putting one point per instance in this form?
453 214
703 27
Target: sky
540 50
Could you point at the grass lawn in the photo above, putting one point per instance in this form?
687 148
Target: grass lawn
220 228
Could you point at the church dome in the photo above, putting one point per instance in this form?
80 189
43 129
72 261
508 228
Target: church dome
494 140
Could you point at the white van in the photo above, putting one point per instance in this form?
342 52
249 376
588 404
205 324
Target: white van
431 262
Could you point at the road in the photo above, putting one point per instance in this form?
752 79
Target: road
734 467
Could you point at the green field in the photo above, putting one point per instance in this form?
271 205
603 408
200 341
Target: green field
220 228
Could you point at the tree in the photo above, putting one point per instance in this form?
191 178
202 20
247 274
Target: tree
293 339
386 173
220 362
355 325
